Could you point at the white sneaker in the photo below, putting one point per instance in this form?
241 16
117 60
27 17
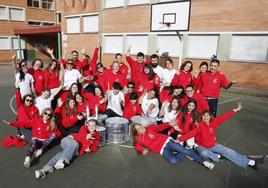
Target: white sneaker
27 162
59 164
208 165
40 174
38 153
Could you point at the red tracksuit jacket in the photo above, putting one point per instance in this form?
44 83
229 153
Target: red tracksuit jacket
187 125
123 69
210 84
93 100
147 84
84 143
25 112
66 121
205 135
152 139
136 68
40 129
51 79
39 78
131 110
183 79
92 63
110 78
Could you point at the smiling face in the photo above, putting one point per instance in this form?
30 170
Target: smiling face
91 126
177 92
37 65
75 56
140 59
174 104
203 68
146 70
74 88
169 65
97 92
189 91
140 129
24 67
47 115
78 98
214 67
53 65
28 101
116 67
206 118
151 94
71 104
46 94
187 67
191 106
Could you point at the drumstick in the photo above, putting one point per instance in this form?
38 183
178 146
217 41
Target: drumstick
96 111
87 110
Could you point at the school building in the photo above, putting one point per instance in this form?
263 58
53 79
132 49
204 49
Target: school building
235 31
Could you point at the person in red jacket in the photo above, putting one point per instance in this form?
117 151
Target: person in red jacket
148 79
210 84
44 133
169 94
86 140
38 75
136 66
183 77
203 67
149 139
26 110
205 138
100 72
132 108
52 76
123 68
129 89
114 75
184 122
68 119
201 101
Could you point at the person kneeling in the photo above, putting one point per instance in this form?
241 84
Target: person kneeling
86 140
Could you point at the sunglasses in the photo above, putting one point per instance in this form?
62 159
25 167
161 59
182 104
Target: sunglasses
99 67
48 114
130 87
29 100
69 63
23 65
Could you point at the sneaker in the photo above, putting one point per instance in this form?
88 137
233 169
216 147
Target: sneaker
38 153
40 174
27 162
208 165
59 164
48 168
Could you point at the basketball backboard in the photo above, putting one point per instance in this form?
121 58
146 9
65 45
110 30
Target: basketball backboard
170 16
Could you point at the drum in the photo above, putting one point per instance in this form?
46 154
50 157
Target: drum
117 130
102 132
101 119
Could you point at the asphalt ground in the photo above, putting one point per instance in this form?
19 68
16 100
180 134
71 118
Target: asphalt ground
119 165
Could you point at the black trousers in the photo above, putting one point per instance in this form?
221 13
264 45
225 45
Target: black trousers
213 105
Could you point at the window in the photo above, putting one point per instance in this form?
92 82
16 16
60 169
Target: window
114 3
113 44
47 24
169 44
73 24
91 23
34 23
167 0
4 43
138 2
139 43
33 3
48 4
202 46
3 13
16 14
15 43
58 18
249 48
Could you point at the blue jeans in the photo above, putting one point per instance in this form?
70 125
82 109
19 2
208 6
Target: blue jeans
226 152
69 152
172 158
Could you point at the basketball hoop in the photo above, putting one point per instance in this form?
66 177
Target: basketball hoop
164 25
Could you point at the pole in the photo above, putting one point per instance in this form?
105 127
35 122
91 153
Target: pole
59 45
181 48
20 54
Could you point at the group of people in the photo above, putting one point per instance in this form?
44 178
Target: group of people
180 107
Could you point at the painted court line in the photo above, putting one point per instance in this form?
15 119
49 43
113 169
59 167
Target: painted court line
228 101
10 104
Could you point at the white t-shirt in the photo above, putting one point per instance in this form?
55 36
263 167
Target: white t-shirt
41 103
168 75
146 103
159 71
115 102
169 115
25 85
70 77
